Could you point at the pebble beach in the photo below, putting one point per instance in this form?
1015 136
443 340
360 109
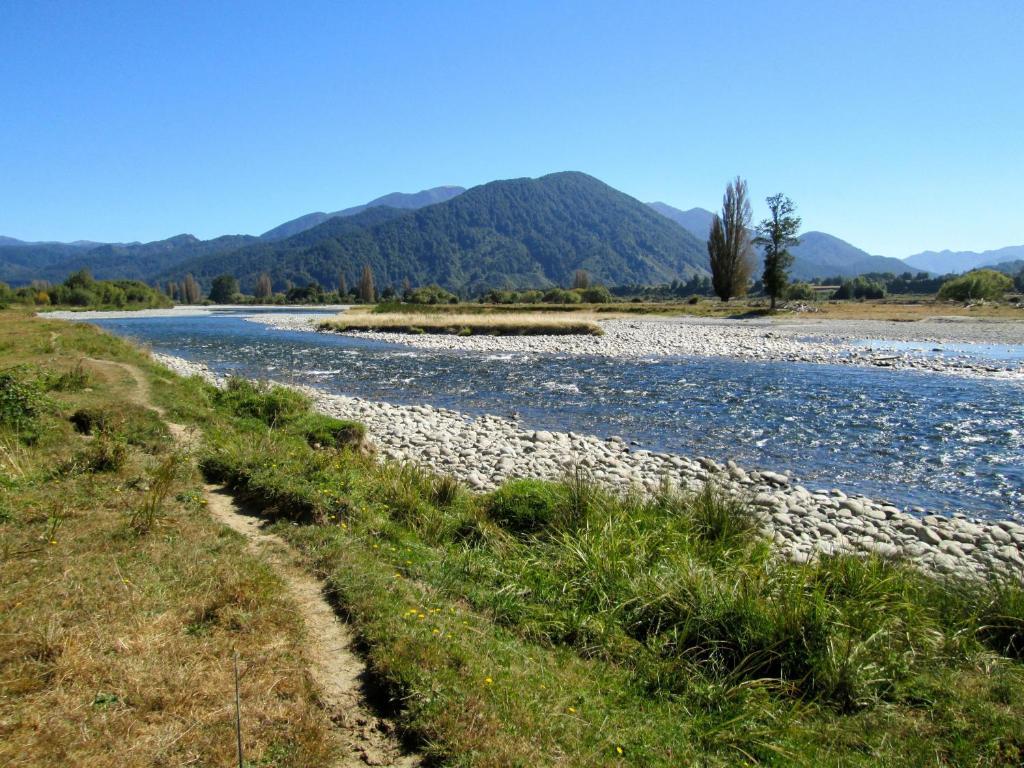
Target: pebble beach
803 522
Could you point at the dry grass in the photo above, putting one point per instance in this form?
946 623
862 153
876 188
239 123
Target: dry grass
503 324
116 645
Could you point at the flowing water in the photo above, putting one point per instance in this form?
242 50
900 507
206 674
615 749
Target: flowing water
942 442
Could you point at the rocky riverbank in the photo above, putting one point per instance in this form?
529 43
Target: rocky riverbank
835 342
804 523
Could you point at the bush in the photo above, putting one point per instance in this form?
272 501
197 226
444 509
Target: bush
328 432
131 423
560 296
21 403
860 288
270 404
431 294
105 454
526 506
596 294
800 292
979 284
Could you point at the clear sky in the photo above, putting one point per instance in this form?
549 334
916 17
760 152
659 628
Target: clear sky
898 126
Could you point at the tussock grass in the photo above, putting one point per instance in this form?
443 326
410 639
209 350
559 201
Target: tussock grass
503 324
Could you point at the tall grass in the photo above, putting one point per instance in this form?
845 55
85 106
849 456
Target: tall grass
675 602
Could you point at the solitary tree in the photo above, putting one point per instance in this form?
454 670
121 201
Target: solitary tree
223 289
777 234
366 290
191 291
729 246
264 288
581 279
342 286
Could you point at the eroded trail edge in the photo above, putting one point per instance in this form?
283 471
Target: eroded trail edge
334 666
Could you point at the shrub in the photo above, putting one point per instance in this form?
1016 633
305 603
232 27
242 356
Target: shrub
431 294
134 424
596 294
106 453
74 380
271 404
984 284
860 288
21 403
328 432
526 506
560 296
800 292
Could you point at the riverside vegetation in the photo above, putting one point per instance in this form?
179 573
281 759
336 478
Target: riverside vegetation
121 601
541 623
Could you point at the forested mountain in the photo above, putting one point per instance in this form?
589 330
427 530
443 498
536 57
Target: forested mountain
818 255
517 233
258 256
946 262
403 200
22 262
116 261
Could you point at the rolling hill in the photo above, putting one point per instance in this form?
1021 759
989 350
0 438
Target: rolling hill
517 233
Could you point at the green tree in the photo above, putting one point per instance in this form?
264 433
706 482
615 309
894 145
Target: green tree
978 284
776 235
581 279
223 289
342 286
367 292
729 245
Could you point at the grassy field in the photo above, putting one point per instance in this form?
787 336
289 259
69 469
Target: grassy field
542 624
121 603
464 323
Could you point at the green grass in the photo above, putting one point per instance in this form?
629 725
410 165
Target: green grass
554 623
541 624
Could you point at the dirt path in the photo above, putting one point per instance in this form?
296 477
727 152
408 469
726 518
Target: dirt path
337 670
335 667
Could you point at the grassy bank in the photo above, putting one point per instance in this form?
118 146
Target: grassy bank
464 324
551 623
542 624
121 603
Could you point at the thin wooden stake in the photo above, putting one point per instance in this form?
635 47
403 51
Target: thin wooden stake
238 715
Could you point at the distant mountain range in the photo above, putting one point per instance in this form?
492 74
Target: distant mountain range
944 262
818 255
403 200
516 233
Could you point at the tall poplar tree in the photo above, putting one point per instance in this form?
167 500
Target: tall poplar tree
366 290
729 245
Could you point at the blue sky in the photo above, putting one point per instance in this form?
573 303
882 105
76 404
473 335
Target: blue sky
896 126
